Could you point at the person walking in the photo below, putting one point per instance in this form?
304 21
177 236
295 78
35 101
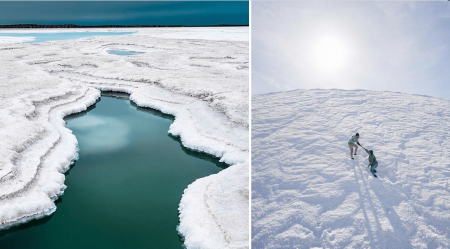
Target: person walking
373 164
351 144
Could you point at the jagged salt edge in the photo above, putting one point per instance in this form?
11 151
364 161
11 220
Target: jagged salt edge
29 218
70 110
74 159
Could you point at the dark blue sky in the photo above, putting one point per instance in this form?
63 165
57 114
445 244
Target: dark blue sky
125 13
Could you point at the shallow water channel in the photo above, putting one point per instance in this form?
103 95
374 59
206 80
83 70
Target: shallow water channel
124 190
57 36
123 53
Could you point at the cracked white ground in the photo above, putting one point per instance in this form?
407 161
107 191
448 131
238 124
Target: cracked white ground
199 75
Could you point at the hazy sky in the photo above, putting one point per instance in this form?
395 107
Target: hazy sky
393 46
113 12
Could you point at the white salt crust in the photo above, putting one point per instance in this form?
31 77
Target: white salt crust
198 75
308 192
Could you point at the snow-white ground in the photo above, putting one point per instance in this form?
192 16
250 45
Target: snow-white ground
199 75
308 193
12 39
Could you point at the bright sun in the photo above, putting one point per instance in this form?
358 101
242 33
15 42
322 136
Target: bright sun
331 54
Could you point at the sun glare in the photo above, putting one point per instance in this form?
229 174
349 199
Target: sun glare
331 54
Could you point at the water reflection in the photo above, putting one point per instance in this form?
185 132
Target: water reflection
94 131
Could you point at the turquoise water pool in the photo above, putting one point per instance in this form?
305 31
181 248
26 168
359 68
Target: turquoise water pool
124 190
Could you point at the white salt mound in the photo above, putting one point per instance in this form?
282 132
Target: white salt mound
307 192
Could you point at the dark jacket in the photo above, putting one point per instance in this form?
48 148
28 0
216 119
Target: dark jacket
372 158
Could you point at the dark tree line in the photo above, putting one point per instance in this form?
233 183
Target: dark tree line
31 26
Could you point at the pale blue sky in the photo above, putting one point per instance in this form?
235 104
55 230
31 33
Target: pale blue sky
382 46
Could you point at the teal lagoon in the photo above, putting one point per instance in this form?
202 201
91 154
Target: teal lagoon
44 37
125 189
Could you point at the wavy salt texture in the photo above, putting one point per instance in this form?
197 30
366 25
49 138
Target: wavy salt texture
308 193
202 81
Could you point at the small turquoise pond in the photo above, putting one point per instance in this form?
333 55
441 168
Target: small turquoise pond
43 37
121 52
125 189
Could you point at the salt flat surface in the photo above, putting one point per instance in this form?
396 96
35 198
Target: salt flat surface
202 80
308 193
12 39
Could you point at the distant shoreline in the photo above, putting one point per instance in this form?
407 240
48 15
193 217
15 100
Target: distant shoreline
52 26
